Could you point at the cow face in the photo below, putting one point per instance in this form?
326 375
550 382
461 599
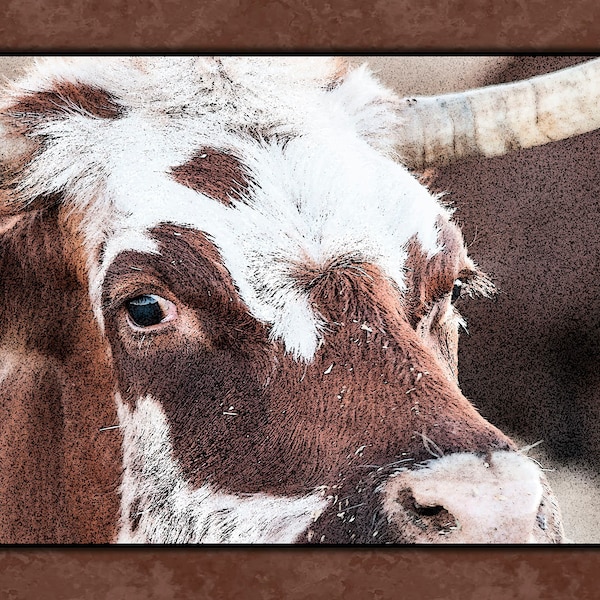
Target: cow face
277 294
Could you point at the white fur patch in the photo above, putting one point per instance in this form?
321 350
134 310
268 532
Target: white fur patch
170 511
495 502
332 190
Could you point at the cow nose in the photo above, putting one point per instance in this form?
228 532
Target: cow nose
465 498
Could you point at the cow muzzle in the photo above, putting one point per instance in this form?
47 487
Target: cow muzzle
465 498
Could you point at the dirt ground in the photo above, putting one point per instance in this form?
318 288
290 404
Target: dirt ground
576 487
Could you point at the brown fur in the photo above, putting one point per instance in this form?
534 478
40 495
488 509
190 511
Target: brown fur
429 283
63 98
59 474
243 414
296 426
11 201
214 173
30 110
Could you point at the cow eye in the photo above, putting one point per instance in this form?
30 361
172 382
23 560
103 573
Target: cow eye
456 290
149 310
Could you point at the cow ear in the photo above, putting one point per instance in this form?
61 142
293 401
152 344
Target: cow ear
372 107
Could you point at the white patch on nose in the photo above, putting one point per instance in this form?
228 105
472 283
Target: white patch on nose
495 502
166 508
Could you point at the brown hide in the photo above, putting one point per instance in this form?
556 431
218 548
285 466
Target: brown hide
59 473
214 173
392 390
530 219
64 98
249 418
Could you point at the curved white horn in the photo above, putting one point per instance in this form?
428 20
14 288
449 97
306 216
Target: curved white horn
495 120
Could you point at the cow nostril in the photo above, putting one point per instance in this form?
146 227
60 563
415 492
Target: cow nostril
433 518
500 498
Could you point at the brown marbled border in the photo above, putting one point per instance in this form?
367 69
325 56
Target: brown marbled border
245 25
278 574
470 573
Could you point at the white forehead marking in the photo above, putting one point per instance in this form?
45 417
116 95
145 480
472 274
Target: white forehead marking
331 191
169 511
315 200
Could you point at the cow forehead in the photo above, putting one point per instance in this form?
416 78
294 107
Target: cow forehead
312 201
329 190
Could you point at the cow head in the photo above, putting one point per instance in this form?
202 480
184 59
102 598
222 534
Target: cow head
276 296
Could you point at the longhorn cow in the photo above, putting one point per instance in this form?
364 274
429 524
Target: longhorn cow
228 306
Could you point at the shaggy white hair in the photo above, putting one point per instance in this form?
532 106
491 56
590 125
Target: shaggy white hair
319 152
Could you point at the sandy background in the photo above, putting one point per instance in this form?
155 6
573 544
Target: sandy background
576 486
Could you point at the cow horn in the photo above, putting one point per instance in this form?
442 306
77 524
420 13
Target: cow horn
495 120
